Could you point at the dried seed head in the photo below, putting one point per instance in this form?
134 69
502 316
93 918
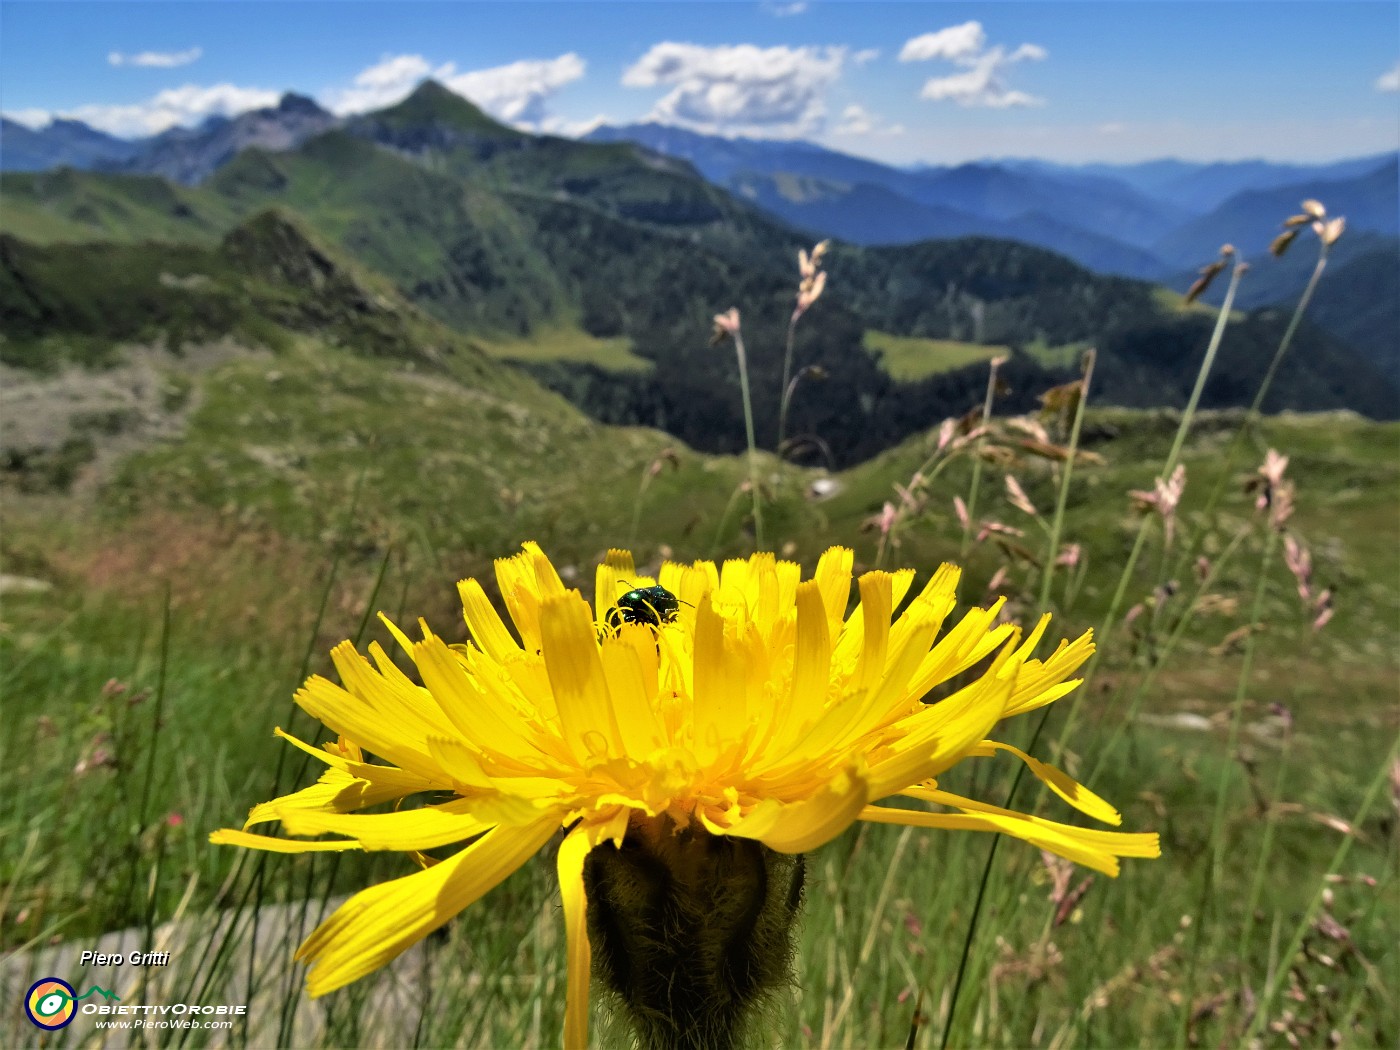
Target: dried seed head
809 293
1332 230
945 433
1297 220
726 326
1208 275
1017 495
1314 208
1280 244
1061 399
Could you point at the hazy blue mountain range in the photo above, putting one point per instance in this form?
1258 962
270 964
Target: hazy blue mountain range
1201 187
511 240
1250 219
1148 220
63 143
191 155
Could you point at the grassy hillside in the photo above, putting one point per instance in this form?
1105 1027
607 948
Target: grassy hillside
513 239
909 358
312 489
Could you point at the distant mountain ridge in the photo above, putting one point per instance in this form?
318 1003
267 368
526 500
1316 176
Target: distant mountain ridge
1150 220
183 155
191 155
62 143
505 237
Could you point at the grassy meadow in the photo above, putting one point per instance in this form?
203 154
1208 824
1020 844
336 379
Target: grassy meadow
180 603
267 445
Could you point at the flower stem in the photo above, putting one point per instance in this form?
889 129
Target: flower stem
788 385
1251 419
1187 418
977 462
1211 876
1261 1012
1057 522
753 444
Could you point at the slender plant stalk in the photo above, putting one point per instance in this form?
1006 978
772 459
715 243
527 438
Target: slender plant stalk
1261 869
1204 371
1217 568
1187 418
1271 990
1251 418
637 506
1075 430
788 384
977 463
1211 876
753 444
877 917
1057 522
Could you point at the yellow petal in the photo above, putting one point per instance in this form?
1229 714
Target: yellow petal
248 840
409 829
614 571
721 708
1043 683
633 696
1094 849
572 853
833 576
477 714
377 924
336 792
487 629
971 640
796 827
1064 785
940 735
344 714
411 709
570 645
811 677
877 609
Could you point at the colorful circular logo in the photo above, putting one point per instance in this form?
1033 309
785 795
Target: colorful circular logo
51 1003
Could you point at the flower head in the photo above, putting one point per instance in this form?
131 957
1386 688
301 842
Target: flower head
757 710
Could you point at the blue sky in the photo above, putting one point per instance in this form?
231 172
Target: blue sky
901 82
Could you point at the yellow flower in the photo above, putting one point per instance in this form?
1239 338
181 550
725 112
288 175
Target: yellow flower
759 711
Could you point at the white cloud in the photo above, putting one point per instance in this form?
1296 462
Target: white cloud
740 88
574 129
857 120
869 54
1112 128
1390 79
982 81
156 59
516 93
954 43
185 105
784 10
34 119
382 84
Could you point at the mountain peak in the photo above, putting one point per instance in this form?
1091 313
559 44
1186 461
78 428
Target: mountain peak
435 105
291 102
